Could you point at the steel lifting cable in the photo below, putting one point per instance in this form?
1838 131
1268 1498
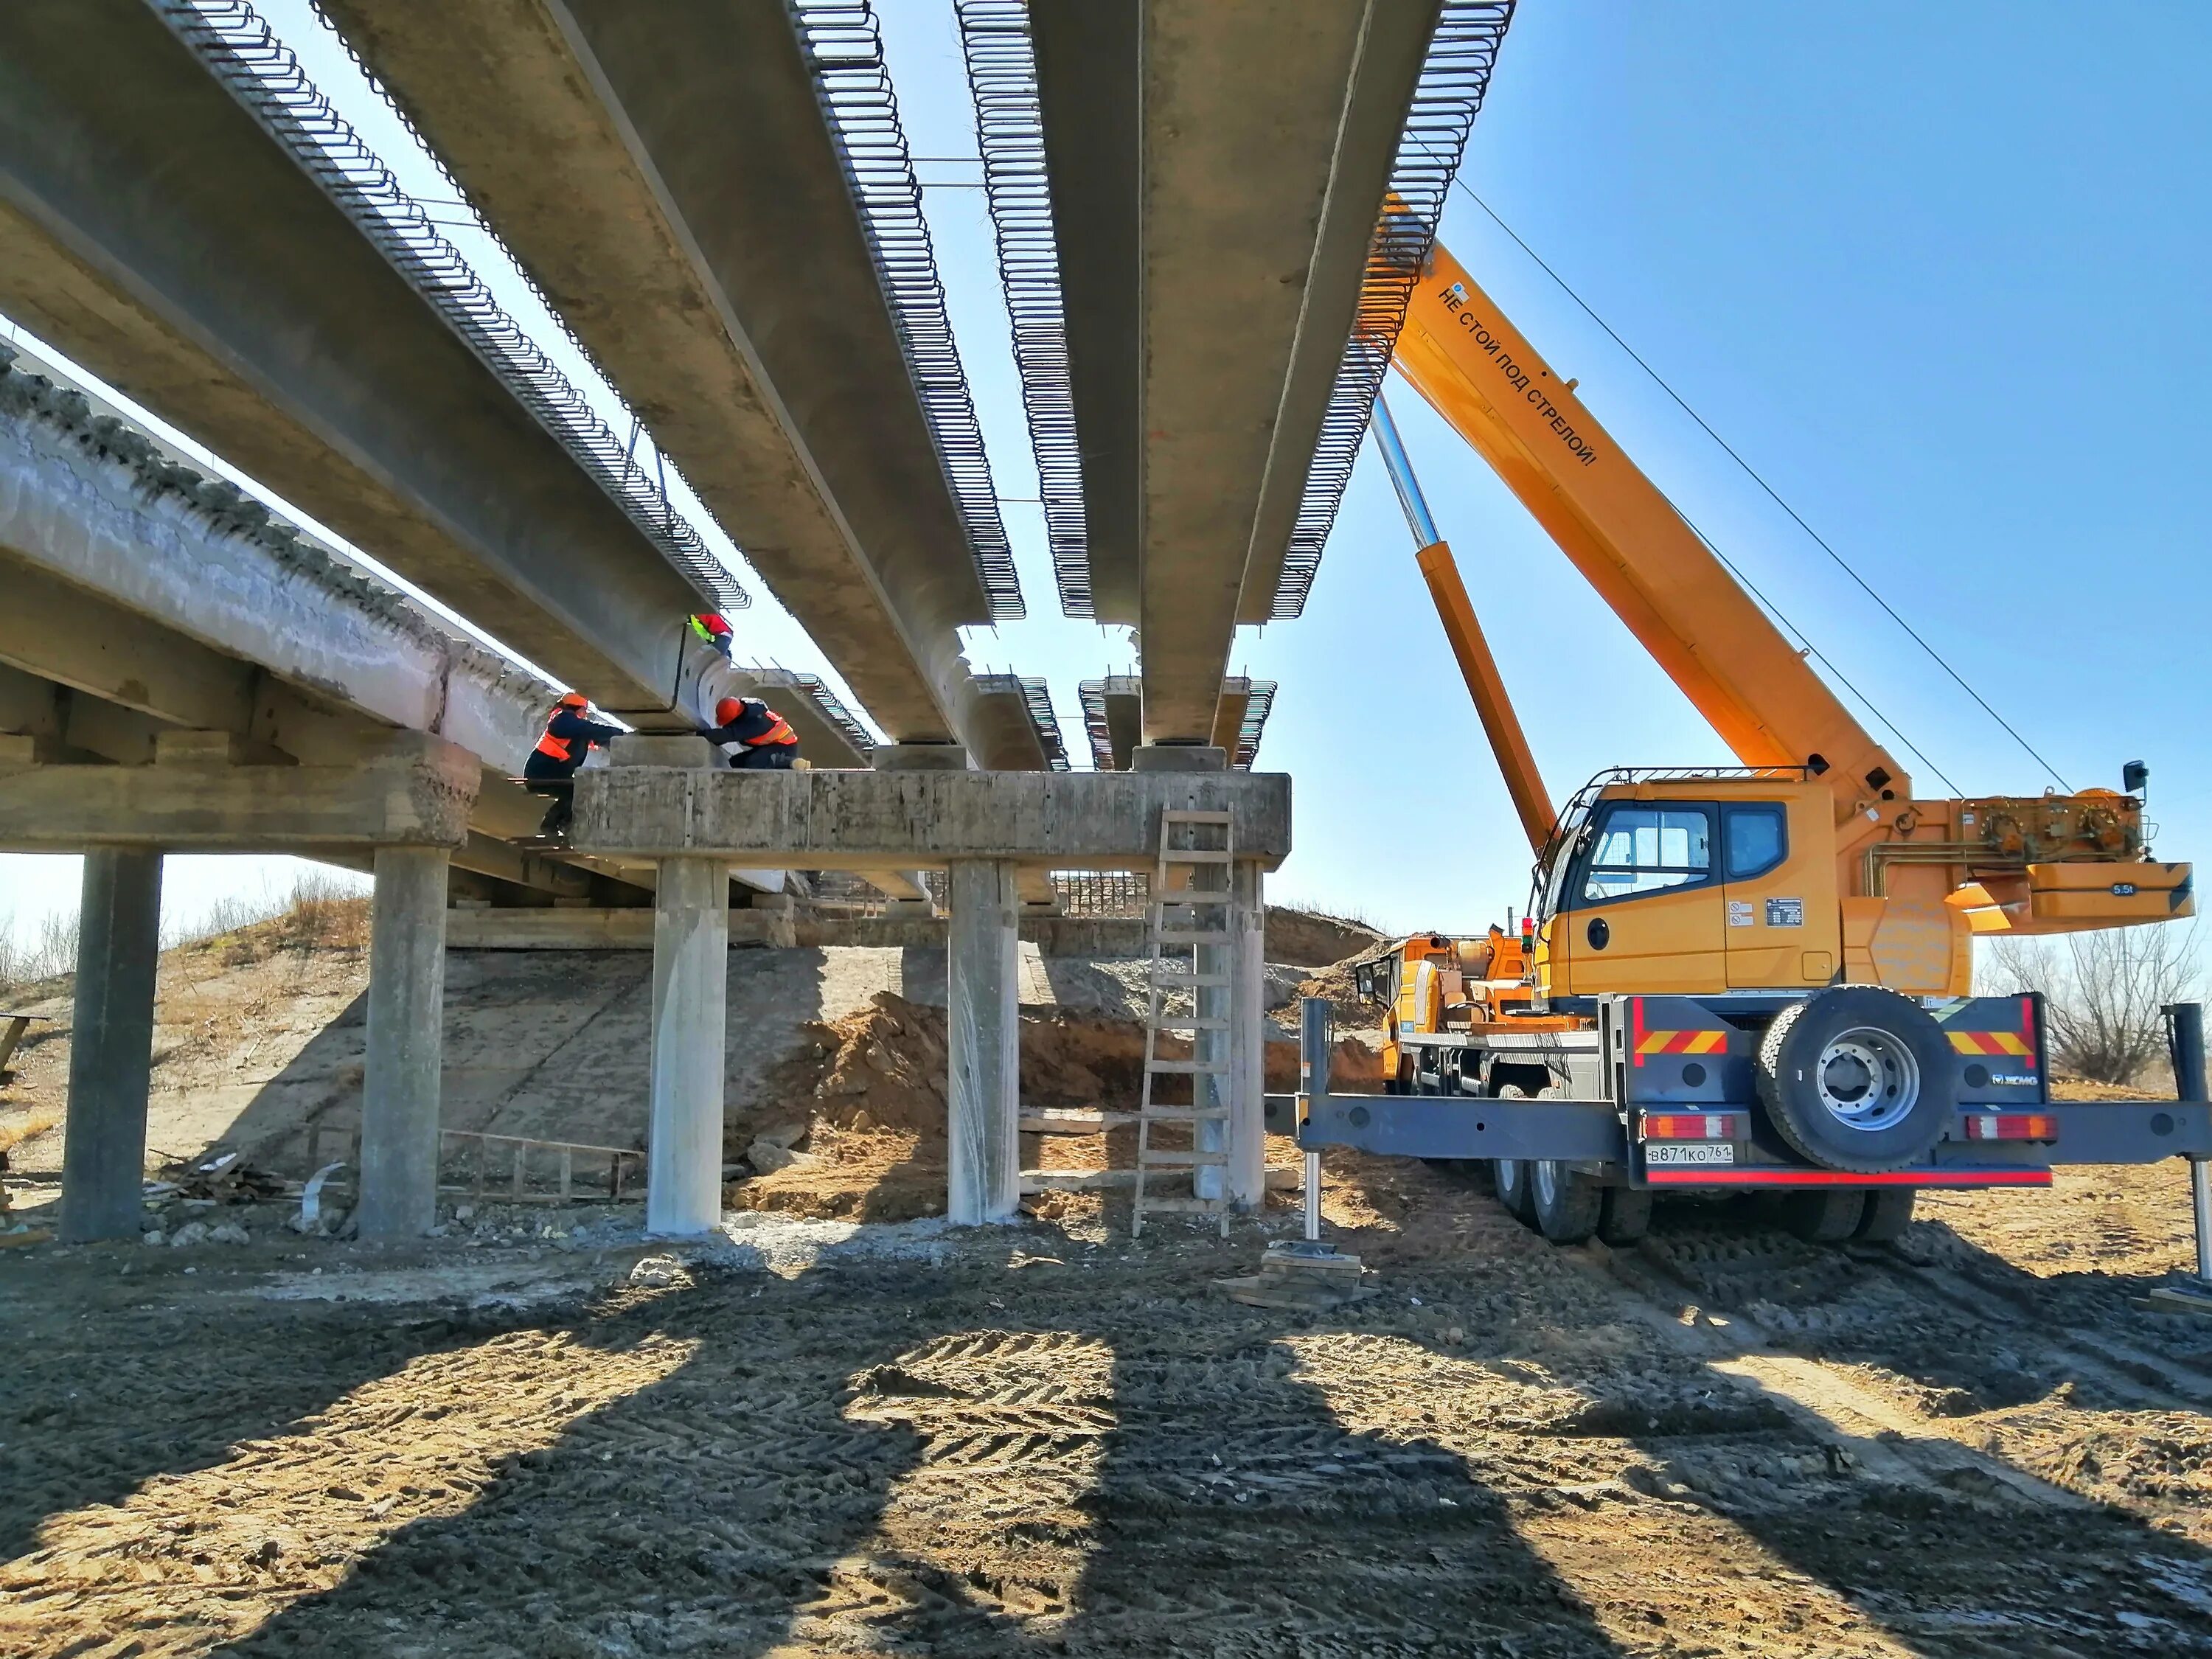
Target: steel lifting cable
1841 563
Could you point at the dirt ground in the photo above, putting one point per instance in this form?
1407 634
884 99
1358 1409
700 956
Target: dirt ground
823 1438
843 1428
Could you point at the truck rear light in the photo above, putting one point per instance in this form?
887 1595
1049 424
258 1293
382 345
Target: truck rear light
1696 1126
2011 1125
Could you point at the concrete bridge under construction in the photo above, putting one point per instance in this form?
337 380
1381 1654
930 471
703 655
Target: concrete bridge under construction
717 201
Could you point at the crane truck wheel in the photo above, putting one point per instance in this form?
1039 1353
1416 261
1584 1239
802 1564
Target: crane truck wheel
1889 1213
1825 1216
1567 1203
1511 1174
1625 1216
1857 1078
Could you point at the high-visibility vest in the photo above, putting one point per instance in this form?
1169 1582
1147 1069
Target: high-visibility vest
780 733
552 747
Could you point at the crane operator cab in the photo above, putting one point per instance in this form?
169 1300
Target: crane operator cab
1690 886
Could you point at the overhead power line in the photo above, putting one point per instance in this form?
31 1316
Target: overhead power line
1820 541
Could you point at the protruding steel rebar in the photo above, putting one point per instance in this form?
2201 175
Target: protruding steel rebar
256 68
845 49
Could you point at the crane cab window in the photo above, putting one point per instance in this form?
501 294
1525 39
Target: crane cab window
1754 839
1636 849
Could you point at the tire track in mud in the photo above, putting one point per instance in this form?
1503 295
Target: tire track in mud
1941 1380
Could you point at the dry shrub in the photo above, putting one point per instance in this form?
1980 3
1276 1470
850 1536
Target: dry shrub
2105 992
323 916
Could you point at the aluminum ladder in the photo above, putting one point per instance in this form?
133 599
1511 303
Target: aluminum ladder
1191 915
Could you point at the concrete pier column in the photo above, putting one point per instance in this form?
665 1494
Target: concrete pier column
406 1043
1247 1039
983 1096
111 1044
690 986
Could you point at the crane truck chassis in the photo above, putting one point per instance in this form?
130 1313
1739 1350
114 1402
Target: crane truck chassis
1677 1095
1755 976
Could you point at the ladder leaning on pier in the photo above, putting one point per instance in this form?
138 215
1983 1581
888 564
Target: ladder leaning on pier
1192 920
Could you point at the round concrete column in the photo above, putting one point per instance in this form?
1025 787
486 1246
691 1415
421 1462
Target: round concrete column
111 1044
406 1043
690 983
983 1096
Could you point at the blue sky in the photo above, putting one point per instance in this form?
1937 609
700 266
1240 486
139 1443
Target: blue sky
1931 270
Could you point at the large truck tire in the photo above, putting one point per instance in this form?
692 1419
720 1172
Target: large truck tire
1510 1175
1826 1215
1859 1078
1625 1216
1567 1203
1889 1213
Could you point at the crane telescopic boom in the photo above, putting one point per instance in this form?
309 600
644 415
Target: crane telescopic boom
1481 373
1878 886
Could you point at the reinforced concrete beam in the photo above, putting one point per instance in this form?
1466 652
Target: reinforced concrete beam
419 798
666 174
151 229
151 596
908 820
1217 173
1007 735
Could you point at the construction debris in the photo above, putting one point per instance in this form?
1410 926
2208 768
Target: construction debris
1295 1273
226 1179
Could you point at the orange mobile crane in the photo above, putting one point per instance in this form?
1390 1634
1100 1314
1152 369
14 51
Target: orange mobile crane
1755 976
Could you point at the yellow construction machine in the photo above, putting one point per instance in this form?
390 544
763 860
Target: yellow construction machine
1752 976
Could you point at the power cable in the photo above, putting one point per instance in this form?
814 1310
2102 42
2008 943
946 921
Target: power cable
1820 541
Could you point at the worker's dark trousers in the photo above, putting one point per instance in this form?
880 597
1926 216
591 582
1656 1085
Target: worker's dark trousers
557 786
774 757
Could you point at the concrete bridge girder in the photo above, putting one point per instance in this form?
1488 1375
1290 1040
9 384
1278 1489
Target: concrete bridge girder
135 607
152 230
666 175
1216 174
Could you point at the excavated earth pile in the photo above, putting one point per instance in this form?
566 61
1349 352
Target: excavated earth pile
872 1085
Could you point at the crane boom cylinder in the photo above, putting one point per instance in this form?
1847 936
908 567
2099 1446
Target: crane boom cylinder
1479 669
1477 666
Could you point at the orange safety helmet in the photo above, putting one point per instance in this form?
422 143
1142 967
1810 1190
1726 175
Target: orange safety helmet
728 710
574 700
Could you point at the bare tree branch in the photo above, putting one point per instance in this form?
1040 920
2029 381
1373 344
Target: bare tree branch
2103 992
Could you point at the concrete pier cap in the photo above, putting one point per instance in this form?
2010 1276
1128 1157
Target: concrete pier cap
919 820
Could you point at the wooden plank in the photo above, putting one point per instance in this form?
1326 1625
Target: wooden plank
17 1024
1067 1121
1075 1180
1155 1158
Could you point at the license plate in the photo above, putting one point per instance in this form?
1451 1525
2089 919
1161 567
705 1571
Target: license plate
1695 1152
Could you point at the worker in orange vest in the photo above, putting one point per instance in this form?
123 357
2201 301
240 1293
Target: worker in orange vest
753 735
570 734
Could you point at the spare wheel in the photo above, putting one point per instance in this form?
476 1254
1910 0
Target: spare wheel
1859 1078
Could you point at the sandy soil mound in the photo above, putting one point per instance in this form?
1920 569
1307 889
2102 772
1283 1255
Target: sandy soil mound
871 1086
